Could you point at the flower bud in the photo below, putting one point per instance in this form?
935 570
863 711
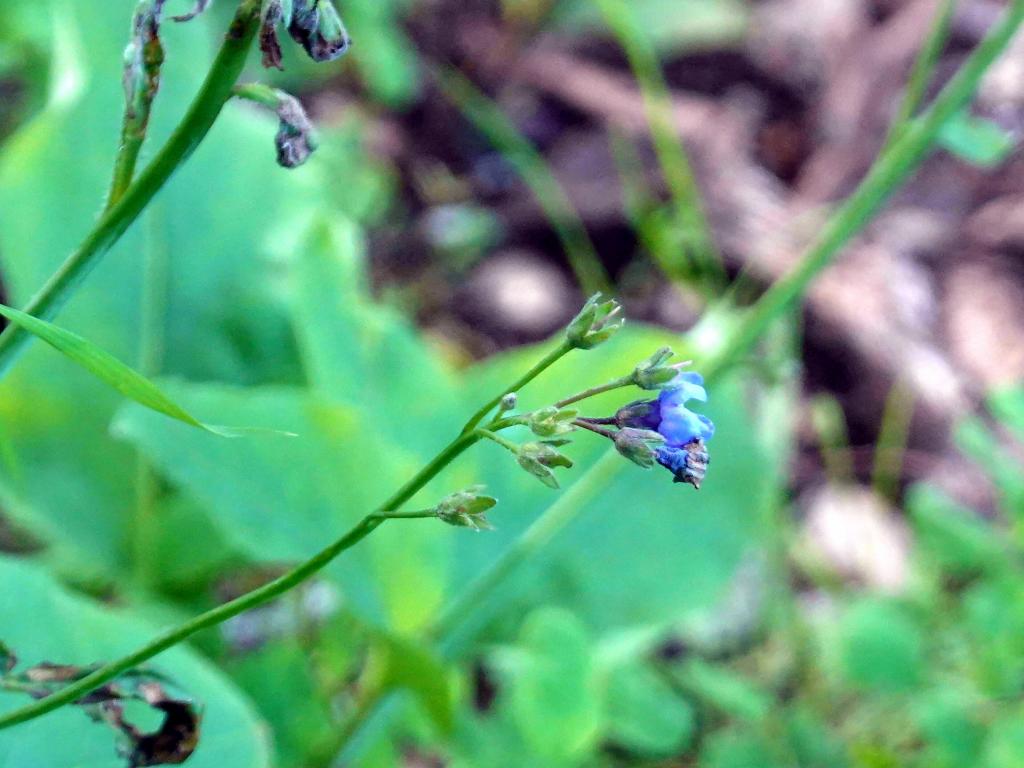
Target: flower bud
640 414
316 26
294 139
538 458
637 445
508 402
550 421
652 373
466 509
595 323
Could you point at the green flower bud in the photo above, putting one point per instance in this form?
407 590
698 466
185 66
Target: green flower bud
550 421
637 445
538 458
652 373
466 509
595 323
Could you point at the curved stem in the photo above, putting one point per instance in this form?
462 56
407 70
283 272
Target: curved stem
549 359
909 149
214 93
182 632
257 597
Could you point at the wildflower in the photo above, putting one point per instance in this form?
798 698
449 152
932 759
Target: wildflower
685 432
538 458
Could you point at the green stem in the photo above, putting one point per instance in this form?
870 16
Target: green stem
908 151
506 444
202 114
206 620
698 245
549 359
250 600
920 75
625 381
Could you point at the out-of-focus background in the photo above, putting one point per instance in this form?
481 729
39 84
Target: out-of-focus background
845 590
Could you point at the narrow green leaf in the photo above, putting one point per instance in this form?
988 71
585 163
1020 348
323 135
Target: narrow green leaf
976 140
109 369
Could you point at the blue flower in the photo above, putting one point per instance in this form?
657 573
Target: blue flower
684 453
677 423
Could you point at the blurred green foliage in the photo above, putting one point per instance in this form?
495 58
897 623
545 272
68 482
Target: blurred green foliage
659 626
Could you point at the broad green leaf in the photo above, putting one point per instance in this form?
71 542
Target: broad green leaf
553 693
644 714
993 616
401 663
726 691
284 500
955 734
109 369
1004 745
44 622
740 748
881 647
955 537
282 684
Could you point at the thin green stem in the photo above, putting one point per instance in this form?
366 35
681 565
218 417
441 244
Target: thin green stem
214 93
183 631
625 381
699 250
922 71
546 362
250 600
910 149
508 445
907 153
564 219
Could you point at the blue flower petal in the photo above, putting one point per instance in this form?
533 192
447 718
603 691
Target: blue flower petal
680 426
688 385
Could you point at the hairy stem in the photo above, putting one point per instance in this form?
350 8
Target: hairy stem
214 93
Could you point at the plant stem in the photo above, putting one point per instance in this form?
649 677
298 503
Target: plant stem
701 258
908 151
211 618
506 444
625 381
214 93
593 427
924 67
548 360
